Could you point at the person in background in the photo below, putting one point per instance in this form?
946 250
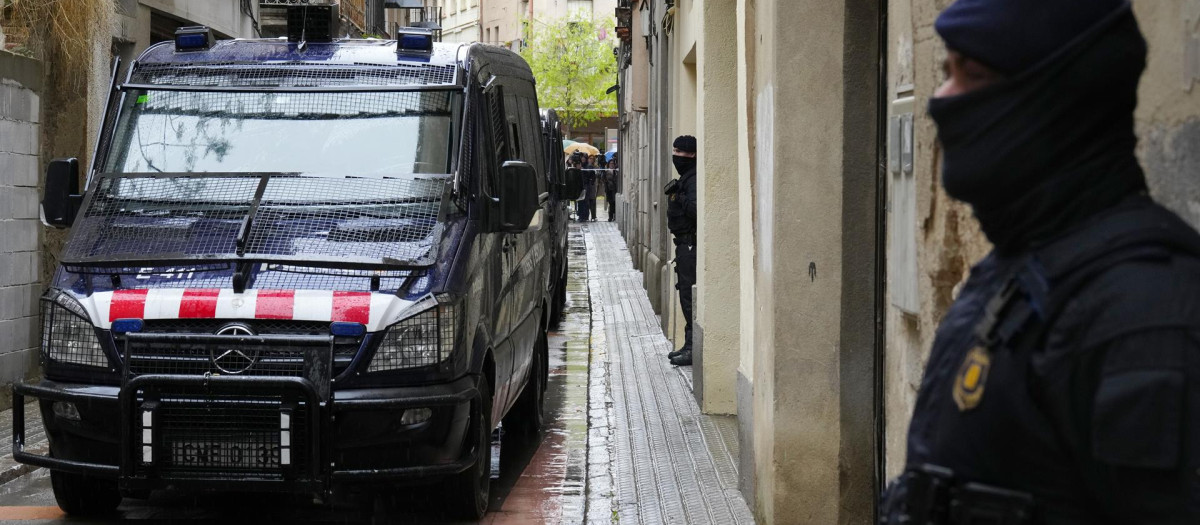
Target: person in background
610 192
589 190
583 212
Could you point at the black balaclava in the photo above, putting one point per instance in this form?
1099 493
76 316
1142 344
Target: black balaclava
683 164
1052 145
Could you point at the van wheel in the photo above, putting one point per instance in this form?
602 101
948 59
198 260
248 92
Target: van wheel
527 416
83 495
470 489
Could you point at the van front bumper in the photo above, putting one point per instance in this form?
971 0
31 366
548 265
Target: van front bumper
358 435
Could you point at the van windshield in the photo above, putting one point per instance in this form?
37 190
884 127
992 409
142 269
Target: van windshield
334 178
371 134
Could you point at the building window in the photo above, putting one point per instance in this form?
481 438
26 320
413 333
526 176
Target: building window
487 35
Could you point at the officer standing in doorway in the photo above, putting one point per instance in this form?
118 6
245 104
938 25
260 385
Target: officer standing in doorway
681 220
1063 386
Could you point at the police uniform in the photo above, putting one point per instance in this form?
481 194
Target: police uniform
1063 386
681 220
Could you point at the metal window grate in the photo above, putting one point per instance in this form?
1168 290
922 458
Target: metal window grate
223 107
358 134
68 337
367 221
422 340
467 164
267 276
292 74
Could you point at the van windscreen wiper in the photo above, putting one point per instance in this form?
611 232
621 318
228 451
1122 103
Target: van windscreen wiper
261 217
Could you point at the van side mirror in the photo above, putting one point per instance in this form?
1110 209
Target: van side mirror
519 198
573 185
62 198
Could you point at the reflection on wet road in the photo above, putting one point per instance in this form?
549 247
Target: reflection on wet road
538 483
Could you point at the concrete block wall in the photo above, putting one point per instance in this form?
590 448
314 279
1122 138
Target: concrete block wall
20 257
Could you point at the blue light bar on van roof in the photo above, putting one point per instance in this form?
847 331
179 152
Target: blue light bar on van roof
414 41
193 38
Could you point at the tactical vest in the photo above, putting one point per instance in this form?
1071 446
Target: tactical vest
1014 324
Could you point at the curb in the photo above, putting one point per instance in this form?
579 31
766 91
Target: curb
11 470
600 487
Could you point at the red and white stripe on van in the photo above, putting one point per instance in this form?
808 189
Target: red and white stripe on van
371 309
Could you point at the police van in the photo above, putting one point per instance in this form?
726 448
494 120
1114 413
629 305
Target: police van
298 264
565 185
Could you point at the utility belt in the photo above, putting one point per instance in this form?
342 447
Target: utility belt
930 495
688 238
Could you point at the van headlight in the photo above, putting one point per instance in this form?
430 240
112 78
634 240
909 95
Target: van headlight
67 334
423 337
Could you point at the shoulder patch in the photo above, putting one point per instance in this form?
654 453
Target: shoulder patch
972 378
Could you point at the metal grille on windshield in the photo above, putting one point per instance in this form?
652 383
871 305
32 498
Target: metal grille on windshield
188 217
293 74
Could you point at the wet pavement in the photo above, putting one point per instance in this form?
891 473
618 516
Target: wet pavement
624 440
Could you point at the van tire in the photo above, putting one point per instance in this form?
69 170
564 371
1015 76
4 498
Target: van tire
470 490
528 415
80 495
558 303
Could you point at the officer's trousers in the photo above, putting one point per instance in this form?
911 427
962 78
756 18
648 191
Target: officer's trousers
685 273
582 206
611 199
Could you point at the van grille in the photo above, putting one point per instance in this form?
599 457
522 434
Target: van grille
174 358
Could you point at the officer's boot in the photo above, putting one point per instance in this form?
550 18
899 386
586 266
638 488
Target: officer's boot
683 359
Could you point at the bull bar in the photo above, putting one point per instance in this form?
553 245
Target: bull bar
319 403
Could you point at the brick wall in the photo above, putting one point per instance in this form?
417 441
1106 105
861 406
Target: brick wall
20 286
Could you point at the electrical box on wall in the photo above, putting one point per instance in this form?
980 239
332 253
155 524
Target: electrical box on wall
902 206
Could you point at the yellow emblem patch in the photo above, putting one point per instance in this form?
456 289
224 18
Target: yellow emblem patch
971 379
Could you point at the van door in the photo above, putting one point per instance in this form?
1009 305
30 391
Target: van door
496 152
530 247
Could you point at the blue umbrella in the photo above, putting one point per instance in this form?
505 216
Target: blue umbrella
608 156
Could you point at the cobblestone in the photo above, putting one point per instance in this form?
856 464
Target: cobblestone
670 462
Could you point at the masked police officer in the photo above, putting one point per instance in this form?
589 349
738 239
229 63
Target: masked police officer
681 220
1064 382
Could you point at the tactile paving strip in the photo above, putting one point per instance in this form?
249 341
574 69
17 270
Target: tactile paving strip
670 462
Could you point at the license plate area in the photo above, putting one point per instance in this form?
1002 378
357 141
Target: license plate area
200 434
246 451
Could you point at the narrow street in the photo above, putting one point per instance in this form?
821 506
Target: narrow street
624 441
